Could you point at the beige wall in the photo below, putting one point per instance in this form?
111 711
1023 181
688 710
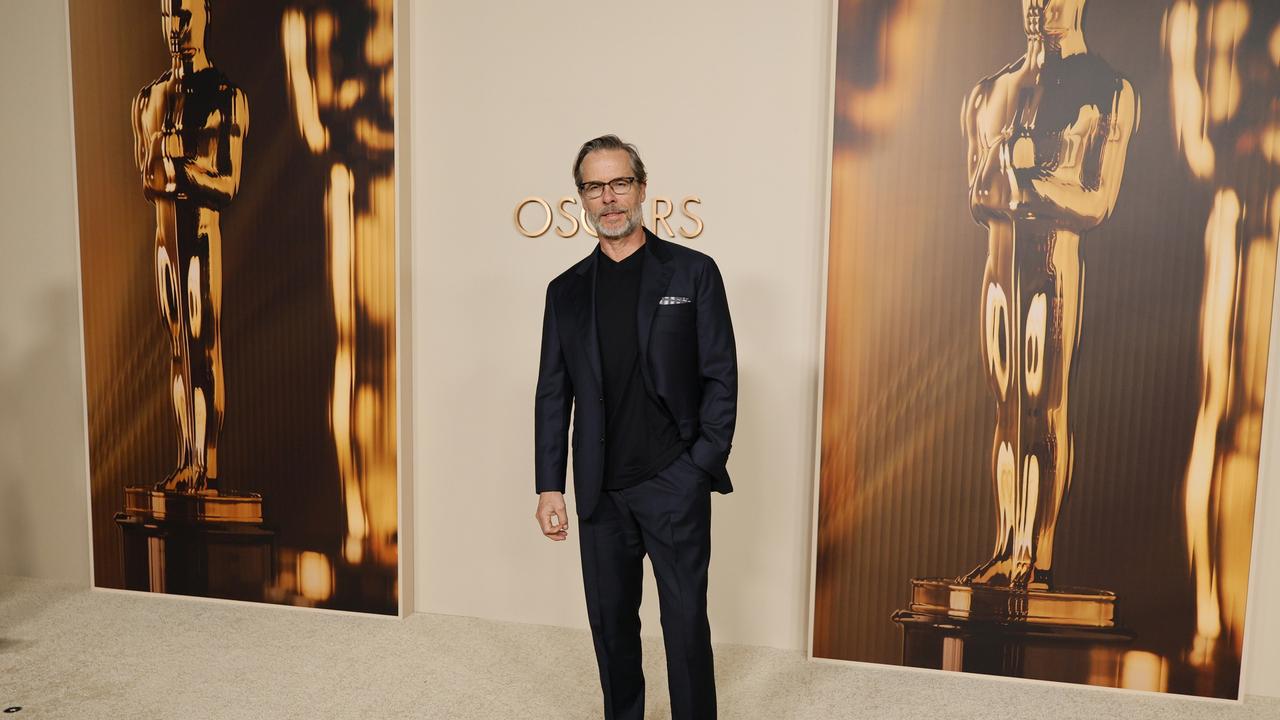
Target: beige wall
726 101
1262 635
43 501
712 79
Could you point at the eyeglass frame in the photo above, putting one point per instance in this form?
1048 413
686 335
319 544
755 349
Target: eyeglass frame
630 183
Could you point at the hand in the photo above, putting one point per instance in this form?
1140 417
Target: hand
164 144
161 172
552 517
996 185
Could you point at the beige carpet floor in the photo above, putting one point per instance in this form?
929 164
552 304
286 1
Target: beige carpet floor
67 652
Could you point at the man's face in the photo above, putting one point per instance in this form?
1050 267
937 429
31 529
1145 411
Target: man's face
1052 16
612 215
183 22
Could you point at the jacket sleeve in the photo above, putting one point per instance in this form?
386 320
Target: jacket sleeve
552 403
718 371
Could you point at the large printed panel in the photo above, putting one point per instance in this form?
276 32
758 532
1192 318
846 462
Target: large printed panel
236 179
1050 273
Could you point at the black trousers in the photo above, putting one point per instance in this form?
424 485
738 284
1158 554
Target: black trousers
668 518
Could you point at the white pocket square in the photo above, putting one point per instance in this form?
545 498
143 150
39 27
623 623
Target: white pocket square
674 300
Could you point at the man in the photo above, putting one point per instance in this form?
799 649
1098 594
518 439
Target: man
637 338
188 129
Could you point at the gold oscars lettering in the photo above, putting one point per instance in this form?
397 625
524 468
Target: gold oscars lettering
189 128
534 217
1224 65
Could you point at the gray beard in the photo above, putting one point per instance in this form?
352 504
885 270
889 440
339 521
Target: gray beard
634 220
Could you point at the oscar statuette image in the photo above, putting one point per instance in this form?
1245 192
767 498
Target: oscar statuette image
181 535
239 284
1042 395
1046 138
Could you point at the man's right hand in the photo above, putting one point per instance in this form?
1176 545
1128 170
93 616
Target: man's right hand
552 517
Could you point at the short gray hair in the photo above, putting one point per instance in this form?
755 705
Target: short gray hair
609 142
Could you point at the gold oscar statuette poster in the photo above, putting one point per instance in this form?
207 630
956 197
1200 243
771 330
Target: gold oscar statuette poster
1049 286
236 168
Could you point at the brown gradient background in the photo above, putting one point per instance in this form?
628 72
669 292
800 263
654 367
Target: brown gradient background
905 487
277 328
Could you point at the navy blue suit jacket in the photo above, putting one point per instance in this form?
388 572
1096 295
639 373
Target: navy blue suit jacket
688 362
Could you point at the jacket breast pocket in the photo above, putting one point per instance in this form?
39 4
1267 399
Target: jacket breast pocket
673 357
674 318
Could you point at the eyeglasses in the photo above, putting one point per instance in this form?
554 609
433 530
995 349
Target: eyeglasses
619 186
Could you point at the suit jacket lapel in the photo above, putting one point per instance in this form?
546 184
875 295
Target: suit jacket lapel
654 281
584 302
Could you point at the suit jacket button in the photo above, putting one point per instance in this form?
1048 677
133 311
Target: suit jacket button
601 439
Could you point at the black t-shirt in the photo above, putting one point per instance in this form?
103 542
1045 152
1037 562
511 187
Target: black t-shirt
641 437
